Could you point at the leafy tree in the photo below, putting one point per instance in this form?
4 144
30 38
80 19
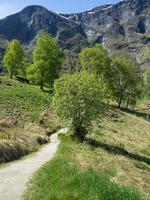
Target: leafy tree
47 60
125 80
34 73
13 58
78 99
95 59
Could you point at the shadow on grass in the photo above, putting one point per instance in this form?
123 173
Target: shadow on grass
143 115
118 150
50 91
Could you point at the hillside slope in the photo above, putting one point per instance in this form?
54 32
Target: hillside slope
110 164
25 119
124 26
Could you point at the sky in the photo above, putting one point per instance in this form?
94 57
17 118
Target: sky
8 7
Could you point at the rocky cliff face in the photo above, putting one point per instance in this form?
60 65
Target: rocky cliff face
25 25
124 19
124 26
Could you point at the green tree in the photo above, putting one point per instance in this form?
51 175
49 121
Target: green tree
78 99
47 60
125 80
95 59
13 58
34 73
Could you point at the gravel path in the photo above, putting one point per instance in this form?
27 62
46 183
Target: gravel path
14 178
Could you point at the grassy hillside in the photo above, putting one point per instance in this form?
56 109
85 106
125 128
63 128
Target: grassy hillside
21 100
25 119
113 163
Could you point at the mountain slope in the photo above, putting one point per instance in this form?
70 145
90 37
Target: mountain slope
123 26
25 25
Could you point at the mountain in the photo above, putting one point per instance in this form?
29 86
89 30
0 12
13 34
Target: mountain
25 25
123 26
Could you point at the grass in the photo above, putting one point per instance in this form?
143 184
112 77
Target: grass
18 142
25 119
122 143
63 179
22 100
114 158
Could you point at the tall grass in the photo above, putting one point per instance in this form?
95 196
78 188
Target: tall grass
21 109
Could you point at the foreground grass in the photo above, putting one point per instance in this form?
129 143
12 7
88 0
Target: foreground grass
114 158
63 179
120 147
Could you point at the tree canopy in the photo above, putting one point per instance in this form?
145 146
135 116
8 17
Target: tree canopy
125 80
13 58
78 99
95 59
47 60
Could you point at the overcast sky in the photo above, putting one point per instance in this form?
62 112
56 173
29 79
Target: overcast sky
8 7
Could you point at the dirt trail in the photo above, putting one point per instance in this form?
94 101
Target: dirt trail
14 178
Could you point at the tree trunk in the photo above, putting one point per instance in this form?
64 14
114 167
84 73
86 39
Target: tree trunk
79 134
11 75
120 101
41 84
121 97
128 100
